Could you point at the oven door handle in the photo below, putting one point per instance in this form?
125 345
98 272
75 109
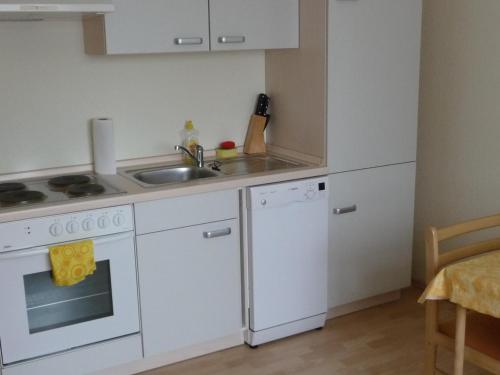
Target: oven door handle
45 249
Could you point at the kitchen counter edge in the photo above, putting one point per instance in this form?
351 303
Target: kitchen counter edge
136 193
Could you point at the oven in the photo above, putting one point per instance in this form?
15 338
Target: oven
38 318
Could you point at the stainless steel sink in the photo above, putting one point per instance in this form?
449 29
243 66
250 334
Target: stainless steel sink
169 175
253 164
175 174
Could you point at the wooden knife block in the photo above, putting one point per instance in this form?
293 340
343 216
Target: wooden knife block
254 141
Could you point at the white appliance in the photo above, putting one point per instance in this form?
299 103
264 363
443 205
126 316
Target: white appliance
38 318
288 245
40 9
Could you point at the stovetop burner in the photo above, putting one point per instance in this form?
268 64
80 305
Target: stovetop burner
21 197
11 186
59 189
81 190
65 181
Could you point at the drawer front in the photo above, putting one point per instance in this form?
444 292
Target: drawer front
171 213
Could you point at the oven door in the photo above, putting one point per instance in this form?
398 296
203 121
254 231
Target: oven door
38 318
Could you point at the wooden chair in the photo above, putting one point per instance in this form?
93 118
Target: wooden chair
473 336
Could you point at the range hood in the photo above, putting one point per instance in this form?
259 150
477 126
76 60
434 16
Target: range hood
33 10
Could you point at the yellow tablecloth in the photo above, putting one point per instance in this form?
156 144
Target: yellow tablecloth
473 284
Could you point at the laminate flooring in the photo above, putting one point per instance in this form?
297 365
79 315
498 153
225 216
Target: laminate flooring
387 339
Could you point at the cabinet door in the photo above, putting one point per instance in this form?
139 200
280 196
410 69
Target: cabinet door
190 285
370 248
373 62
155 26
254 24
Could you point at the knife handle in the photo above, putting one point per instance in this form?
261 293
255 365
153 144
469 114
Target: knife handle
262 105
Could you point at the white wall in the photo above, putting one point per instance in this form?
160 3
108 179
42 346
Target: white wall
458 175
49 90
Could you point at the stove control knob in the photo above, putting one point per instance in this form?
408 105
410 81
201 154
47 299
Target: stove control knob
72 227
103 222
56 229
118 220
88 225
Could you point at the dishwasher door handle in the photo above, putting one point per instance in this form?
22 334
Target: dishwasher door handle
217 233
345 210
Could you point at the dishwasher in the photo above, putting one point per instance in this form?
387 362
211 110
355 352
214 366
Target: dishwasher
288 247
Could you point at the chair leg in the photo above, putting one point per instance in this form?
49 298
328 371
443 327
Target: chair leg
430 358
431 317
460 340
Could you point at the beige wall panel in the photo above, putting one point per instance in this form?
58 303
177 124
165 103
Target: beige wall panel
49 90
296 80
458 173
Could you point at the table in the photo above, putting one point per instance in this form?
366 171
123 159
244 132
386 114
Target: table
473 284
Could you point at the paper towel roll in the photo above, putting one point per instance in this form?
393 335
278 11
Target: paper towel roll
104 146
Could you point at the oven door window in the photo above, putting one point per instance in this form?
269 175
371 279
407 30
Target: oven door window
50 306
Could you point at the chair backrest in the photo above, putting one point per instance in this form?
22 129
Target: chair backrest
433 236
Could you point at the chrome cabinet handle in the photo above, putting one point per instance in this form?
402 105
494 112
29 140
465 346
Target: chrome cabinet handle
231 39
345 210
217 233
188 41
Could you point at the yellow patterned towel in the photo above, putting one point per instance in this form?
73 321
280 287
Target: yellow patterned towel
473 284
72 262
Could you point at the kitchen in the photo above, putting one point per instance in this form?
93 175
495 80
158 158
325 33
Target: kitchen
190 266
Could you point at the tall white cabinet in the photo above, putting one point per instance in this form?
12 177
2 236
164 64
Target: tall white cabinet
373 82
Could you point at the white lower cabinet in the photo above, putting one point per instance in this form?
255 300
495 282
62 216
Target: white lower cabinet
190 284
370 234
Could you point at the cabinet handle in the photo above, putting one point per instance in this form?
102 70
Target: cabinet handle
217 233
231 39
345 210
188 41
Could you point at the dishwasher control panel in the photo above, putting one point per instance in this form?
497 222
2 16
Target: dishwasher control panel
282 194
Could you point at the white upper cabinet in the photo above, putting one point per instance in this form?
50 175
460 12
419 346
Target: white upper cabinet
149 26
373 58
159 26
254 24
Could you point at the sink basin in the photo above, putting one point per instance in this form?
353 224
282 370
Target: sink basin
168 175
254 164
175 174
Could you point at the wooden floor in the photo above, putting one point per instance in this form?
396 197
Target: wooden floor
387 339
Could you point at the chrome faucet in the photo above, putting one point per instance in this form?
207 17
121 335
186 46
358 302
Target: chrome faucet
197 157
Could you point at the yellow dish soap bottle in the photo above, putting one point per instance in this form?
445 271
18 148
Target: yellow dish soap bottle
190 139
